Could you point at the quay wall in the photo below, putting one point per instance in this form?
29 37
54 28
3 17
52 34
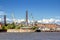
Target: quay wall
20 30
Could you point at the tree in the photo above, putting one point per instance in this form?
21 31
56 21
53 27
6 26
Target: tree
34 27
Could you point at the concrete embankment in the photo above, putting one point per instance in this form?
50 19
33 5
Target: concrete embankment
20 30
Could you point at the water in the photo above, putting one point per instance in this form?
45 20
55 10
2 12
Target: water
31 36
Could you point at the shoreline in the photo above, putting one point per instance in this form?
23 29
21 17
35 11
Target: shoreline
25 30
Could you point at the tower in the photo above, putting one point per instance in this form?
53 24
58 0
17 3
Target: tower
27 18
5 20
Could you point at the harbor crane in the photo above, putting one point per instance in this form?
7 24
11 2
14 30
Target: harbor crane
13 18
32 19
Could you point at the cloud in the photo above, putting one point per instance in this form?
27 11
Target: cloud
7 19
22 20
51 20
57 21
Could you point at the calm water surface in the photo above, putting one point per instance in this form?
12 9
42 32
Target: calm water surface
30 36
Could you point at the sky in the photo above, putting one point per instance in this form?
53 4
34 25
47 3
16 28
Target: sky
40 9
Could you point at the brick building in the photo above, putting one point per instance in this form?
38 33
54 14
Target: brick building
47 25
